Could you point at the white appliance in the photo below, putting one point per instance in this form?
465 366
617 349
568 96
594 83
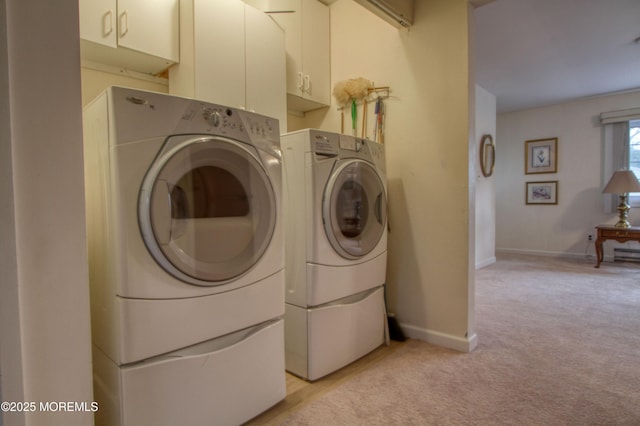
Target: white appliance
186 260
335 214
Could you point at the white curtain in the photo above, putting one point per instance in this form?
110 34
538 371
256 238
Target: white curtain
615 152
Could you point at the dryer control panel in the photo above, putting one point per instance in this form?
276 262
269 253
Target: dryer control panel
160 115
239 124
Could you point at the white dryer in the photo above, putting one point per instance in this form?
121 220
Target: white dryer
335 212
186 259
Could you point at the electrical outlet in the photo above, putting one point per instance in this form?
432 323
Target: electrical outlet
590 237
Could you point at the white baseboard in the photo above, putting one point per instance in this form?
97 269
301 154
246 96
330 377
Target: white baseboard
547 253
457 343
486 262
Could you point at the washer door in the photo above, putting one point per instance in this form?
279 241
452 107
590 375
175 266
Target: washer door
207 210
354 209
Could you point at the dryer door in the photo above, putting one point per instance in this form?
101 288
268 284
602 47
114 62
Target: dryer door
354 209
207 209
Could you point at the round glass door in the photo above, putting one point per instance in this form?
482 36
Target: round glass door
207 210
354 209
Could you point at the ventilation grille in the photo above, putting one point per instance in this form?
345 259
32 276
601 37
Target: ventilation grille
397 12
626 255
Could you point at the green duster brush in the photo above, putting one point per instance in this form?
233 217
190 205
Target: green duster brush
354 117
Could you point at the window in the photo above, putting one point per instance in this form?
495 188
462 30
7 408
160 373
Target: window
621 149
634 157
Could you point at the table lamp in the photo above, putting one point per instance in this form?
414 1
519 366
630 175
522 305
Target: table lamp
622 182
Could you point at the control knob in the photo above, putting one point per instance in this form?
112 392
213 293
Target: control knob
213 118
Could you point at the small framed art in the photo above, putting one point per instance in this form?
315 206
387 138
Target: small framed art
540 156
542 192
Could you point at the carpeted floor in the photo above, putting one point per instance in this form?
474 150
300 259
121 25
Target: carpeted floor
559 344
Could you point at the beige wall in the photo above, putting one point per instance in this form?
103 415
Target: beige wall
427 146
560 229
96 79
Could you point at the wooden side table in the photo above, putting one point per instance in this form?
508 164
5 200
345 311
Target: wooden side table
621 235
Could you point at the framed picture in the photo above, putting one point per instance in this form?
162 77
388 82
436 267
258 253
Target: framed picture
540 156
542 192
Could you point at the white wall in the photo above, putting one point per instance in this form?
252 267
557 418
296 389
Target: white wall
427 146
45 350
485 186
555 229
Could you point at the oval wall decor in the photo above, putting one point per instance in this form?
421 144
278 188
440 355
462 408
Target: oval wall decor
487 155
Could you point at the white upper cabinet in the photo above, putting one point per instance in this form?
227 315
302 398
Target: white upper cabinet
219 54
150 26
142 35
307 31
231 54
265 66
98 22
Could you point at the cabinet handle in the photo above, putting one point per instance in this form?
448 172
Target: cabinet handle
300 81
307 84
107 23
124 23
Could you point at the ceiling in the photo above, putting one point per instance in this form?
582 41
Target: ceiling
531 53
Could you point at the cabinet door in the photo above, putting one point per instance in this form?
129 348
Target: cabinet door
219 52
316 52
307 33
292 23
98 21
265 66
150 26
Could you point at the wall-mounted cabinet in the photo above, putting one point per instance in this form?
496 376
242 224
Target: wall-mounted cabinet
231 54
307 31
141 35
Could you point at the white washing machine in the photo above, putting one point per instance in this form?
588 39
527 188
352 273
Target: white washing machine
186 260
335 213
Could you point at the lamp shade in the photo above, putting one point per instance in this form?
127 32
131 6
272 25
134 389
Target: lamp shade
621 182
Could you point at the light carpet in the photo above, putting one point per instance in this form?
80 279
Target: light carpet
559 344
